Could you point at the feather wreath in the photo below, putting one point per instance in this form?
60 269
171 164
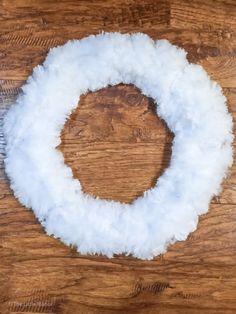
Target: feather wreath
193 107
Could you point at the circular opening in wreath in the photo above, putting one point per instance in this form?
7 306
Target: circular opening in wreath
116 144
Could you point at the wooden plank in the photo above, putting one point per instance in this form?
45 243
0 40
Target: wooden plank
206 15
85 16
221 69
126 145
189 271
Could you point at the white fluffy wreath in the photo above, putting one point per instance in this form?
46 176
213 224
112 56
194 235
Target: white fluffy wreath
193 108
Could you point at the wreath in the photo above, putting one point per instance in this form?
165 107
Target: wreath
193 107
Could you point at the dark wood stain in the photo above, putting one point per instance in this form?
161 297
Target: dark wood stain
118 147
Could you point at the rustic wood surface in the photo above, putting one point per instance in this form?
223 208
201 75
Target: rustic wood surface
117 147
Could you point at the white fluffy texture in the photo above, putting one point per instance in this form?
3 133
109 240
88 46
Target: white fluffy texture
191 104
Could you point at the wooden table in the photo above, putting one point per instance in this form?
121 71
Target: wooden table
117 147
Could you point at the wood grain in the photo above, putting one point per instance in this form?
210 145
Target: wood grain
116 134
118 147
